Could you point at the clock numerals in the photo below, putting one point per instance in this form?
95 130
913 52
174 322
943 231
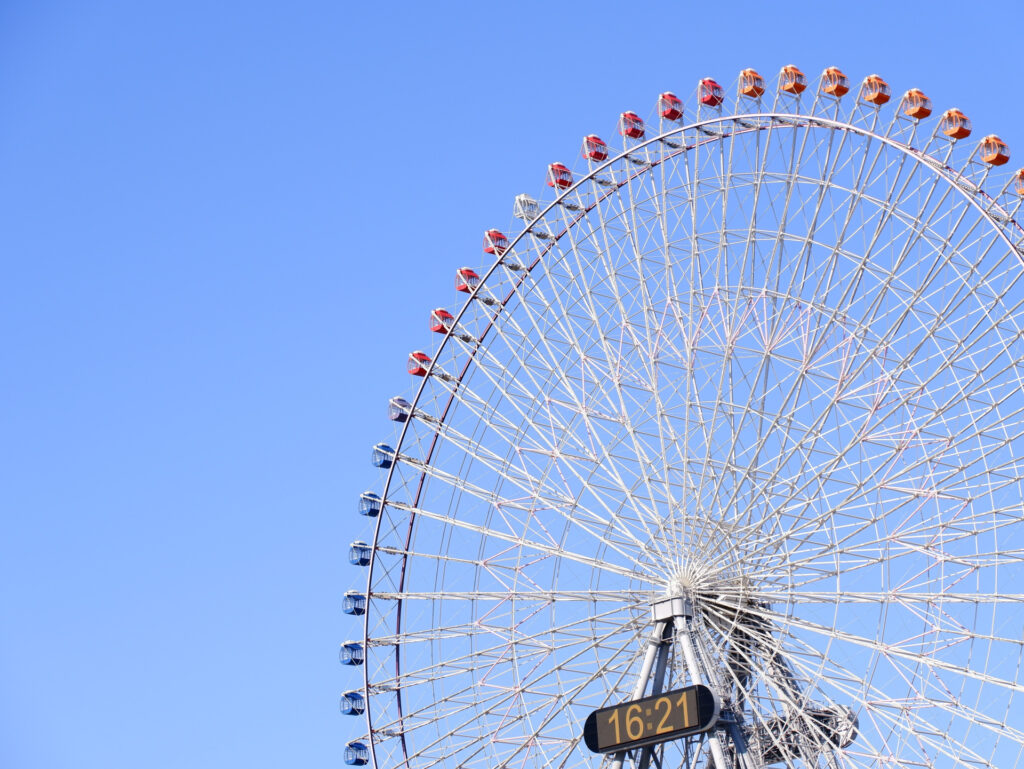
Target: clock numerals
664 726
613 721
634 723
684 703
658 718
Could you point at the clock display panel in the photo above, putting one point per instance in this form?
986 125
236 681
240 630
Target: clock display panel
658 718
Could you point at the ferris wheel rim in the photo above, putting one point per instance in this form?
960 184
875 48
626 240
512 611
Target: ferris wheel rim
815 121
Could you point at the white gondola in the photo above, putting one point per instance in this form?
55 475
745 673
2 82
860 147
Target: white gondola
399 410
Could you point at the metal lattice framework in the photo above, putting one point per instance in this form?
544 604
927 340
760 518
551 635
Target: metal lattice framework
770 359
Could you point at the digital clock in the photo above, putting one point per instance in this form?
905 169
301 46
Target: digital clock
659 718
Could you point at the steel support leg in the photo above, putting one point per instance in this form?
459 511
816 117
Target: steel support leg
697 677
653 647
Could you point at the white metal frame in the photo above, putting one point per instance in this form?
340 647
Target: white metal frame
464 415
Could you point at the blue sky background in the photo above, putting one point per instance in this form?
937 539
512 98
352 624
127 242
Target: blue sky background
222 227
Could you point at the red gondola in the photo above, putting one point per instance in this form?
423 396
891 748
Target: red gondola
418 364
670 106
466 280
710 93
441 321
495 242
559 176
594 148
631 125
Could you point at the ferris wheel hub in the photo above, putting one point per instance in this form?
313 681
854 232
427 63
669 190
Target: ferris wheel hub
674 606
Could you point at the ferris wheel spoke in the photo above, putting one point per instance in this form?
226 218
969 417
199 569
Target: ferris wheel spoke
945 706
507 696
482 494
608 462
751 410
645 347
543 596
474 628
843 453
518 476
848 504
796 385
902 597
829 278
528 485
532 642
881 705
915 491
537 547
554 710
893 652
621 406
553 550
815 673
812 563
508 430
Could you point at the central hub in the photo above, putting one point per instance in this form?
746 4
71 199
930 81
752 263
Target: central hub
669 608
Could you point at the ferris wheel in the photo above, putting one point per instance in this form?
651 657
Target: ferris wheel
719 459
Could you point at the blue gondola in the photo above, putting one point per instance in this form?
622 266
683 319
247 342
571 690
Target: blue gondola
359 553
399 410
383 456
357 754
355 603
369 504
352 704
351 653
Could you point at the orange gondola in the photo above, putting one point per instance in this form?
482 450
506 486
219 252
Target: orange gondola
792 80
994 150
751 83
955 124
875 90
834 82
916 104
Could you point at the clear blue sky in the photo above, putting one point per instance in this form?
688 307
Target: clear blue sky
222 226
